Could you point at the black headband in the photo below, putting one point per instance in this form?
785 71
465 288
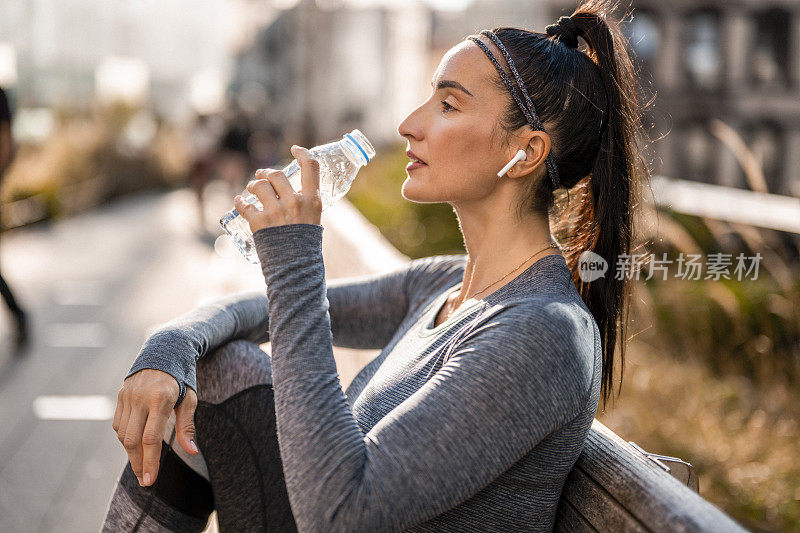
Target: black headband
528 110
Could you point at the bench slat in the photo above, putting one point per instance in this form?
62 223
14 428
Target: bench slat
596 505
569 519
612 480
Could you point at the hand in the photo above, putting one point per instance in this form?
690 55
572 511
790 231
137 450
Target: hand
144 404
281 203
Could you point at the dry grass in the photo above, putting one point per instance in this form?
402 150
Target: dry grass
87 160
742 438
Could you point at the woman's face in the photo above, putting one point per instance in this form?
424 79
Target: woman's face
456 131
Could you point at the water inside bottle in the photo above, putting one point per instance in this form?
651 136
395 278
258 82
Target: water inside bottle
339 163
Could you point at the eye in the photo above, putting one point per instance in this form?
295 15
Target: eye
447 107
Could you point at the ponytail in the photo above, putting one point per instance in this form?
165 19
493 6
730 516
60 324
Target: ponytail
587 101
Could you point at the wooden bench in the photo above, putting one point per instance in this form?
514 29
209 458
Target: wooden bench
617 486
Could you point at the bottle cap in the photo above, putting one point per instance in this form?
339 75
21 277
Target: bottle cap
362 144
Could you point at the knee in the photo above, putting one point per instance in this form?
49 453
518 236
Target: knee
233 367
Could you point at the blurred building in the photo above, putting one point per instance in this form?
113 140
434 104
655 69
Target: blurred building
321 67
324 67
733 60
67 55
316 72
451 27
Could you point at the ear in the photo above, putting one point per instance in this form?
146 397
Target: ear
537 148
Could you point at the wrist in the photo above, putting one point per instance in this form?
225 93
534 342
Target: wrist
169 351
181 393
277 245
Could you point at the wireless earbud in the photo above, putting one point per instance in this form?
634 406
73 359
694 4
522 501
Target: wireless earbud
519 157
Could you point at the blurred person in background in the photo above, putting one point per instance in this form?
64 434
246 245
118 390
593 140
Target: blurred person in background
235 162
264 147
492 363
6 157
205 137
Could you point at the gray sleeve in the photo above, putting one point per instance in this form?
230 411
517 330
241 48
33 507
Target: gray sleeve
506 386
177 345
366 311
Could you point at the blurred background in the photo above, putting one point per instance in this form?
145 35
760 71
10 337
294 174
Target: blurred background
136 122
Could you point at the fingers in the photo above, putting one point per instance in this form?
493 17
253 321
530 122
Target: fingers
246 209
258 218
184 422
279 181
265 192
133 439
281 203
152 439
126 414
309 171
118 412
144 404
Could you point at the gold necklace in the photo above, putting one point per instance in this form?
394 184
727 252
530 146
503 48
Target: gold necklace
450 313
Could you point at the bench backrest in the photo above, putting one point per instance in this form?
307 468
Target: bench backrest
615 487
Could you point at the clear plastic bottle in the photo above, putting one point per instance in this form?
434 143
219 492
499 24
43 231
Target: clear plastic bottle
339 162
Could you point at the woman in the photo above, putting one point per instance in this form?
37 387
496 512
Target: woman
493 362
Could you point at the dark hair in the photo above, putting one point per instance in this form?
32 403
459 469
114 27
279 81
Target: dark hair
575 91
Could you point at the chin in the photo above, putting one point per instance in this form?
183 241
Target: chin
415 190
408 191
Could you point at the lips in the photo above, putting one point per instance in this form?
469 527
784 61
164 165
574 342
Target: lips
414 158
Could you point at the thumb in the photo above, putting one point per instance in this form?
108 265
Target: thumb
184 422
309 170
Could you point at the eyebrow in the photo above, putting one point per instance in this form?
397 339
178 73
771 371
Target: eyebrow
450 83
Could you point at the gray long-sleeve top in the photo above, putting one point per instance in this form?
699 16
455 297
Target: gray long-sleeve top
471 425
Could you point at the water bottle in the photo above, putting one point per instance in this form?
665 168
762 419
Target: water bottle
339 162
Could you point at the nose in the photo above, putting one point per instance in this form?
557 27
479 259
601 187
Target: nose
411 126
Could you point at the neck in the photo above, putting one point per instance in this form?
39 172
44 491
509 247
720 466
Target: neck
497 243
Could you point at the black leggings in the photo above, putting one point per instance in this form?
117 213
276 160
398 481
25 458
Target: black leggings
238 471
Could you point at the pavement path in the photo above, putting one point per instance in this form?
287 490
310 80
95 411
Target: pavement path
95 285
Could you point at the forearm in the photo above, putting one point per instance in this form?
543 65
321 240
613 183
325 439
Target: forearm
176 346
215 322
313 419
